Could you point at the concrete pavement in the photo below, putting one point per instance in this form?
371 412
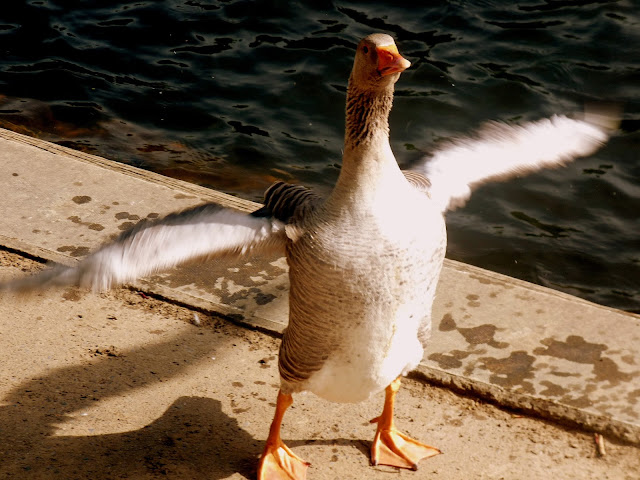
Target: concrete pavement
521 345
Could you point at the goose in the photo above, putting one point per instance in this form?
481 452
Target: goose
364 262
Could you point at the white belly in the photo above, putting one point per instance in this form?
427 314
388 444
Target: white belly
368 364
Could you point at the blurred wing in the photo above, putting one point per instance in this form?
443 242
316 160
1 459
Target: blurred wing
500 151
204 231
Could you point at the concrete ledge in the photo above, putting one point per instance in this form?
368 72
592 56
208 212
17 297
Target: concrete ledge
518 344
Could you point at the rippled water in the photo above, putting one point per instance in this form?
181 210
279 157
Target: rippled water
236 94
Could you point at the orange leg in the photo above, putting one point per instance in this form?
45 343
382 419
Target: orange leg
391 447
278 462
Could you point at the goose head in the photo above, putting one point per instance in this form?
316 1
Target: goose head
377 63
376 69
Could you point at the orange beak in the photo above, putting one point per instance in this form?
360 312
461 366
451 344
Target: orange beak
390 61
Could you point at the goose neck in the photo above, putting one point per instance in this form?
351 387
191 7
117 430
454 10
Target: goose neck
368 162
367 115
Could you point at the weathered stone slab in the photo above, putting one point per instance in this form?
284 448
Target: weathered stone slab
522 345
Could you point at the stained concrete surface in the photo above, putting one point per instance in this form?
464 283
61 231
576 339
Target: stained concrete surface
119 385
519 344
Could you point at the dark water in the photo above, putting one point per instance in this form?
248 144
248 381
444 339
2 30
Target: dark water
236 94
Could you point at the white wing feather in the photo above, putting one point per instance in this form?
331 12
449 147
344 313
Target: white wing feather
501 151
205 231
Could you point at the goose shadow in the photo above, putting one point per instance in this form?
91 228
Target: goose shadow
193 438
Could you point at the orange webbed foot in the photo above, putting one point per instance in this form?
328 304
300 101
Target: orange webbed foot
394 448
278 462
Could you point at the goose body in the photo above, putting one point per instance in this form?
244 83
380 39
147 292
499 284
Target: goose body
364 262
362 284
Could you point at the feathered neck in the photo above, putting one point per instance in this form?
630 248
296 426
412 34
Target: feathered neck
368 164
367 114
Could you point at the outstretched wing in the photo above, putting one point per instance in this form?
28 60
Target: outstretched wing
207 230
500 151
